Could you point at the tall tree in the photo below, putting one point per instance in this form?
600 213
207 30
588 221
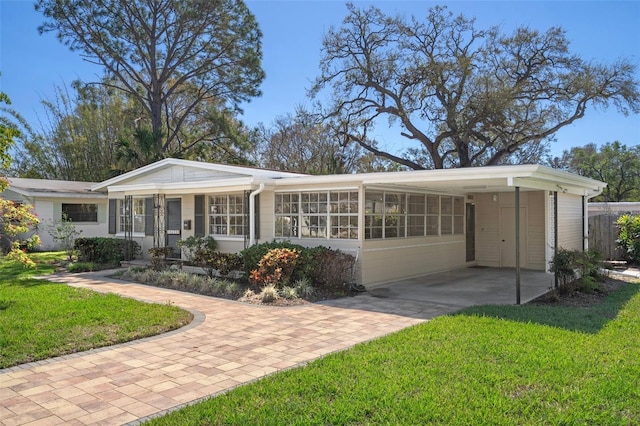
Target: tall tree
466 96
8 131
161 51
77 137
300 143
613 163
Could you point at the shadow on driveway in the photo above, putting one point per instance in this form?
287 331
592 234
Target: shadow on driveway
433 295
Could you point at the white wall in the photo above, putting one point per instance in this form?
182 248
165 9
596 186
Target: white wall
570 223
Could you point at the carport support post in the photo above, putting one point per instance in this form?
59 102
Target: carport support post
517 245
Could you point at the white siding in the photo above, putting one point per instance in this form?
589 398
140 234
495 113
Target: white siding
570 223
488 238
487 230
393 259
179 174
535 234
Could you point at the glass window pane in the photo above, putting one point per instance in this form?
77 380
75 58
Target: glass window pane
432 225
458 205
446 206
458 225
446 225
433 204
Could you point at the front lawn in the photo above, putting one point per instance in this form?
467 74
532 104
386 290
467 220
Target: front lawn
472 368
39 319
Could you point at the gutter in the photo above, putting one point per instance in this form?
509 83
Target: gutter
252 214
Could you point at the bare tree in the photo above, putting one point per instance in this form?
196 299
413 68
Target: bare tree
303 143
466 96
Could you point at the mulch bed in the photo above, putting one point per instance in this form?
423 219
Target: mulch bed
581 299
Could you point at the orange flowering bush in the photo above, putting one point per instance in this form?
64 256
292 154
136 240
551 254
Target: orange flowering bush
18 224
275 267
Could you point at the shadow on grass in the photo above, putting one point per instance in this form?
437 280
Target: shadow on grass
589 319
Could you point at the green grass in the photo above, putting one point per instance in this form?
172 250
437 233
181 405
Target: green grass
39 319
463 369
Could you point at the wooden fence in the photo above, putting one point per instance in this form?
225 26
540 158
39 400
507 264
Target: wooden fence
603 234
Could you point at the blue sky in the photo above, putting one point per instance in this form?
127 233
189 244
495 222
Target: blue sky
32 64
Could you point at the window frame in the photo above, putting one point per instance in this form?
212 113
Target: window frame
94 214
138 217
229 219
417 215
317 214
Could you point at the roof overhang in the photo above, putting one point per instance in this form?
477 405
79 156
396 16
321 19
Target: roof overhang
465 180
248 172
179 188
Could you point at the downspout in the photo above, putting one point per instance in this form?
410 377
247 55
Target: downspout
252 214
585 225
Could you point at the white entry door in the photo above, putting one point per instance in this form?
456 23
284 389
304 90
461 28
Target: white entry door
508 237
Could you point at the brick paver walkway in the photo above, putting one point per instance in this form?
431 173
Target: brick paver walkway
228 344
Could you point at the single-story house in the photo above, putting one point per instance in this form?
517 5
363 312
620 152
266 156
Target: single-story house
397 224
53 198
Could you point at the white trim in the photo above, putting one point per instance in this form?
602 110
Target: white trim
311 189
414 245
168 162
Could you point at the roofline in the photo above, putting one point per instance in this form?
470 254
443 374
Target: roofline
255 172
174 186
516 171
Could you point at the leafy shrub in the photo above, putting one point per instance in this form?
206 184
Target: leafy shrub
251 256
276 267
289 292
197 249
566 263
563 265
64 233
159 256
201 251
226 263
82 267
104 250
332 269
629 236
269 293
304 288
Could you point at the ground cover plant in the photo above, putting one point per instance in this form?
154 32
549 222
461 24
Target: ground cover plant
39 319
471 368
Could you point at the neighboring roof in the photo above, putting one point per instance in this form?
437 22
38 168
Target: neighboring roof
234 172
52 188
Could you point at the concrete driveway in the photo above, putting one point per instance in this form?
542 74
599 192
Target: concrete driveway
431 295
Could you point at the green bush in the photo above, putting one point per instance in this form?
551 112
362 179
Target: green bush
159 256
566 263
82 267
325 267
629 236
251 256
104 250
276 267
332 269
226 263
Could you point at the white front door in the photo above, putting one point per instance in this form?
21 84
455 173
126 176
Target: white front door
508 237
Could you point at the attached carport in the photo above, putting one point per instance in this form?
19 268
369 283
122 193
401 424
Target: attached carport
433 295
468 287
502 230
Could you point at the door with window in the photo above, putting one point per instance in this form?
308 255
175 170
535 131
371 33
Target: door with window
174 224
